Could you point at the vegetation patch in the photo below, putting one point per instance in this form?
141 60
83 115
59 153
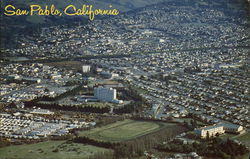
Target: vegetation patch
52 150
244 138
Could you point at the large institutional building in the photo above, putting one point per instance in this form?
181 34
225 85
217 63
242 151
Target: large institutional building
210 130
106 94
219 129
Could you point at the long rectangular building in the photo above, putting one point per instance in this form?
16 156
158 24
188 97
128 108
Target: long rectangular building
210 131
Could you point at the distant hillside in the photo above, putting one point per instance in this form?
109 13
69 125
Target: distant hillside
121 5
14 27
17 25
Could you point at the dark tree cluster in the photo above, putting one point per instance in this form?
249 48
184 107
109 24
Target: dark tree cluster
138 104
133 107
55 106
214 148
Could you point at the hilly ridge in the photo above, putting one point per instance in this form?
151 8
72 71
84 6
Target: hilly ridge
13 26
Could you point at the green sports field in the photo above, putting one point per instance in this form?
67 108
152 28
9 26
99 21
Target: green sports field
50 150
125 130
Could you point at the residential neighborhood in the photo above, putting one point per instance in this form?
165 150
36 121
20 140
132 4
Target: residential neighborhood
167 80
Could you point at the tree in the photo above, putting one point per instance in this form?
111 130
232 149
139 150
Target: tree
185 123
207 136
195 124
217 134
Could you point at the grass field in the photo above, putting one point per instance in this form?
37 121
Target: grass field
44 150
124 130
246 156
227 135
244 138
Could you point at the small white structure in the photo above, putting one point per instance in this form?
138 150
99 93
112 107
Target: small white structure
17 114
86 68
42 112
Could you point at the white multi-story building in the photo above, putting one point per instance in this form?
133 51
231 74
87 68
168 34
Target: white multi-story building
105 94
86 68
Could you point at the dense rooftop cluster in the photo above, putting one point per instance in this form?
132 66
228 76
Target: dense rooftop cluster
30 81
179 26
23 127
212 85
169 62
